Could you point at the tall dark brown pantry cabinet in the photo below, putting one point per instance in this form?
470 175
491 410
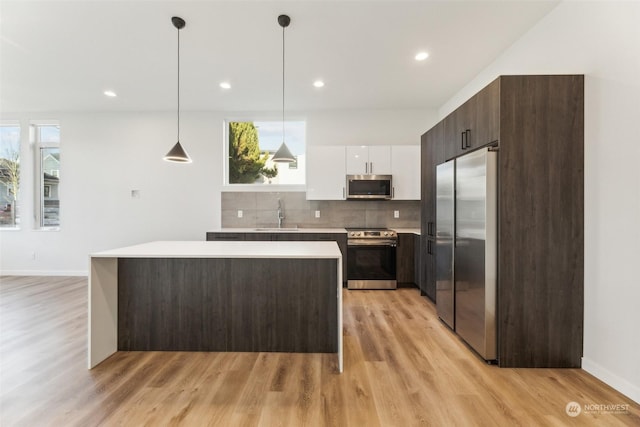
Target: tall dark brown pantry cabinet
432 153
536 125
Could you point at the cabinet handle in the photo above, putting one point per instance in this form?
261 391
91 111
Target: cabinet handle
370 167
467 134
393 193
429 249
344 193
462 140
366 167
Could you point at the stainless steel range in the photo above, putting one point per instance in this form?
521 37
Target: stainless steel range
371 258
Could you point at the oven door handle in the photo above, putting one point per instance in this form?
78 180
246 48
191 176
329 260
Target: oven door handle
365 242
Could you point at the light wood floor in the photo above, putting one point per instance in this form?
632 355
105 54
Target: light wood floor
402 368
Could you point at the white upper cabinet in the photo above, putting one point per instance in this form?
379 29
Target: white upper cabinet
363 160
380 160
357 160
326 174
328 167
405 168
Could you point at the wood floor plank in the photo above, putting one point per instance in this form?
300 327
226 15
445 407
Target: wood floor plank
403 367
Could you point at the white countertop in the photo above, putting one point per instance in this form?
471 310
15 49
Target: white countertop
407 230
302 230
278 230
245 249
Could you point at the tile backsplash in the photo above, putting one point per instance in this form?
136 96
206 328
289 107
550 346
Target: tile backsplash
259 209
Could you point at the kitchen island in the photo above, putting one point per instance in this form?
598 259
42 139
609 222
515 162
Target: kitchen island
216 296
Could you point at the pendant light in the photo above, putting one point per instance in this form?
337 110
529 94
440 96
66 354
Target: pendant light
177 153
283 155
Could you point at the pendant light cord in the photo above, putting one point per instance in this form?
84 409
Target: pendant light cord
283 84
178 85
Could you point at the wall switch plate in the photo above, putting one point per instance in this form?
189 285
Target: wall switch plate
135 194
396 214
239 213
317 214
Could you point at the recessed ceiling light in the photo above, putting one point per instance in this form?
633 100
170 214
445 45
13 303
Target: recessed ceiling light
421 56
225 85
318 83
110 93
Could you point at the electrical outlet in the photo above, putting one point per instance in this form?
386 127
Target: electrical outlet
317 214
396 214
239 213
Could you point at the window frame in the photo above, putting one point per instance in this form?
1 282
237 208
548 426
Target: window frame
17 205
230 187
38 197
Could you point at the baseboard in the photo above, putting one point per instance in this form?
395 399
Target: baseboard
43 273
632 391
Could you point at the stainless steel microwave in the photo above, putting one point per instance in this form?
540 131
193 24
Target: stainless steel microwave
369 187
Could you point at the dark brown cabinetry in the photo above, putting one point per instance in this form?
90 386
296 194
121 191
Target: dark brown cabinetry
457 129
235 304
537 125
485 126
226 237
231 237
339 238
474 124
417 253
405 256
432 153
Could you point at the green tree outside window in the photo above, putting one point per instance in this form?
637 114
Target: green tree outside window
245 162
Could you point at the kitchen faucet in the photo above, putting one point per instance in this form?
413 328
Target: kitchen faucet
280 214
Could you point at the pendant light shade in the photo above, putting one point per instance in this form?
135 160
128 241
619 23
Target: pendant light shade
283 155
177 153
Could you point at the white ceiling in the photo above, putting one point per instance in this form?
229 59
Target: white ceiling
61 56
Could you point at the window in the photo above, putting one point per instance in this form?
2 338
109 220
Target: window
251 146
9 175
46 143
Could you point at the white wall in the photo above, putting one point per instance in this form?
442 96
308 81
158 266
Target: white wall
104 156
602 41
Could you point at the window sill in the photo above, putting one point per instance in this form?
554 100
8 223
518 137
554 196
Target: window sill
266 188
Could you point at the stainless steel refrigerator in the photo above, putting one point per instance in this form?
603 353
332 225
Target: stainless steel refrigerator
466 248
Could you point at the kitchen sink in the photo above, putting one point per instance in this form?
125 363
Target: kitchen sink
276 229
